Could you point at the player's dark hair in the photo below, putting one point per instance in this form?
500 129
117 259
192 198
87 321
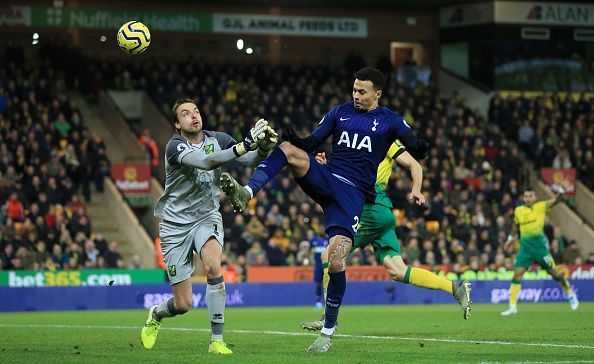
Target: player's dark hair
372 74
178 102
529 189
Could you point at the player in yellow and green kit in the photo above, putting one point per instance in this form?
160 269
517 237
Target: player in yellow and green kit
534 246
376 227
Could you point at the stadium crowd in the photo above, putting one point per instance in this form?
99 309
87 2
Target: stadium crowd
472 178
48 161
553 130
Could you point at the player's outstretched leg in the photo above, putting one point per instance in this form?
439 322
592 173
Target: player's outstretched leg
423 278
238 194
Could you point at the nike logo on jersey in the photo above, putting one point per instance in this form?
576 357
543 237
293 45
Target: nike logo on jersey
353 142
343 119
375 123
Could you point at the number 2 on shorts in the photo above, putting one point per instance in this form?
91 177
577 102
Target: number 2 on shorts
355 226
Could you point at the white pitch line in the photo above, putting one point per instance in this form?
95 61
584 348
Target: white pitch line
266 332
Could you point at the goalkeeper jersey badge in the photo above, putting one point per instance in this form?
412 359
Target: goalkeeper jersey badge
209 148
172 271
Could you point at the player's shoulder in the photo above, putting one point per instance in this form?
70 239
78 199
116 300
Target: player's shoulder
176 140
176 146
342 108
389 113
223 139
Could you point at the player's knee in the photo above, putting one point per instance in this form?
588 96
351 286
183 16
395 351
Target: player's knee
212 269
294 155
397 269
397 273
337 264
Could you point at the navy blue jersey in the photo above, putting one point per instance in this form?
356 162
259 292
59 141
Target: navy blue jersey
318 245
360 141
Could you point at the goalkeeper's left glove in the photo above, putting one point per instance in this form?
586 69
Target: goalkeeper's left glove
251 140
267 141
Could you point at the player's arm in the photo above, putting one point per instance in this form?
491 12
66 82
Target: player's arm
418 148
405 160
179 153
511 237
558 197
317 137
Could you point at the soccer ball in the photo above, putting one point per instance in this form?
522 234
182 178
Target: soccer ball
134 37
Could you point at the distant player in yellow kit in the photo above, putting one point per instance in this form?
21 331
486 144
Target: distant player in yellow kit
534 246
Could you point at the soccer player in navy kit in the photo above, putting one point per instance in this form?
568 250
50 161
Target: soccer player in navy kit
362 132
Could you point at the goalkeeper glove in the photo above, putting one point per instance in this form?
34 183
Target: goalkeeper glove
267 141
251 140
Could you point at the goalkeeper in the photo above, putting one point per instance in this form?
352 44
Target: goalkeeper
189 211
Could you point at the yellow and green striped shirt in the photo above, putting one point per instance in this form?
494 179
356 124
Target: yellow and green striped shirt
531 219
384 170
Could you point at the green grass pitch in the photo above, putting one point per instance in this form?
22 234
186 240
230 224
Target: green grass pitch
379 334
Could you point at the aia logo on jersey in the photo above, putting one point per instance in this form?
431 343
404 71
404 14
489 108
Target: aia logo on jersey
354 142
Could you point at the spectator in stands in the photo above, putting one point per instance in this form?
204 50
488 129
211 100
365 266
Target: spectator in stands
571 253
525 137
275 254
58 257
590 259
113 259
256 256
14 208
562 159
135 262
91 254
152 150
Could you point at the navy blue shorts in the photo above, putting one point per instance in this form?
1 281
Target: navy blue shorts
341 202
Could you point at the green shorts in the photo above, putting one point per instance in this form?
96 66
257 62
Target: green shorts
376 227
534 249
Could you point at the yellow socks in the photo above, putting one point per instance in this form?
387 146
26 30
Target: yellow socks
423 278
514 291
566 286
